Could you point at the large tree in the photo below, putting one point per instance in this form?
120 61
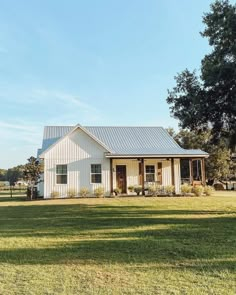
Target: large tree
210 100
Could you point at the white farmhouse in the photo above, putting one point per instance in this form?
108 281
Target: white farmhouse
113 157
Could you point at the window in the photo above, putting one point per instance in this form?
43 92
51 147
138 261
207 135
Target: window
150 173
96 173
61 174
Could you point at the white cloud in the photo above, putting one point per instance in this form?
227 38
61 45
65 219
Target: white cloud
69 99
38 96
18 133
16 126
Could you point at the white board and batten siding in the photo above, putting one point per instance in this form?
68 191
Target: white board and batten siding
78 151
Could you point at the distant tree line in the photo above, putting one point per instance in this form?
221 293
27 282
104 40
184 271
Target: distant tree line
12 174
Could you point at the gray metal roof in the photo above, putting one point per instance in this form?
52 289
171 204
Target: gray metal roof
52 134
126 140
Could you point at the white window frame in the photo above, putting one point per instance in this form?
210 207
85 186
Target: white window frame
148 173
62 174
95 173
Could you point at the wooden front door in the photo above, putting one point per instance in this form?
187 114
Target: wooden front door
121 178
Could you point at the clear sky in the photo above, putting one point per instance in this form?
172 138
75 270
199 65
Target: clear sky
93 62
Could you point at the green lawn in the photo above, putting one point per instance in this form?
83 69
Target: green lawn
118 246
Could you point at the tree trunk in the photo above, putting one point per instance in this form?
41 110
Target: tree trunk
32 192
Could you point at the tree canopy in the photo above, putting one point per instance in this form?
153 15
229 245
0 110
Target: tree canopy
32 173
209 100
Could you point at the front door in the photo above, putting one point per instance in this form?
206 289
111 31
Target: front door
121 178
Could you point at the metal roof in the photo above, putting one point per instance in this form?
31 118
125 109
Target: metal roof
52 134
126 140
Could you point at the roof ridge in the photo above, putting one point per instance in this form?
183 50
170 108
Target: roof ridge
59 126
104 126
121 126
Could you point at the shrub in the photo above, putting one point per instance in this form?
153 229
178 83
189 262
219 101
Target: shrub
155 190
54 194
186 188
198 190
152 189
84 191
159 189
208 190
138 189
169 189
99 192
71 193
131 188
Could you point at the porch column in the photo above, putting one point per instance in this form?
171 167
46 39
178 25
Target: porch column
111 176
172 171
191 171
203 171
142 176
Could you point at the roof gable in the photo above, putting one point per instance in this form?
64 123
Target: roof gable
54 134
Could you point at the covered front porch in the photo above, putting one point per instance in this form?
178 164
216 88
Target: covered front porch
145 171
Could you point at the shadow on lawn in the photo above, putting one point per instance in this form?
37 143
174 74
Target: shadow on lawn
115 234
6 197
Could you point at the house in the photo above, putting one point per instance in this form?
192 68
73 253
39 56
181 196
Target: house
21 182
113 157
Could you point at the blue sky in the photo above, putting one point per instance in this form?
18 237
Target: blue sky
91 62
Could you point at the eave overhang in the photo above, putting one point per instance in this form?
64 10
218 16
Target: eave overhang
163 156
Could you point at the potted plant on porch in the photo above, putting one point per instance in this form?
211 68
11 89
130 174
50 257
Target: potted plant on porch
131 188
117 191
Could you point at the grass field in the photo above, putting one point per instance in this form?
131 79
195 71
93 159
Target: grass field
118 246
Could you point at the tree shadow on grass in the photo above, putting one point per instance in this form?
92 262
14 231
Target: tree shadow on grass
136 250
8 198
78 219
73 220
116 234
